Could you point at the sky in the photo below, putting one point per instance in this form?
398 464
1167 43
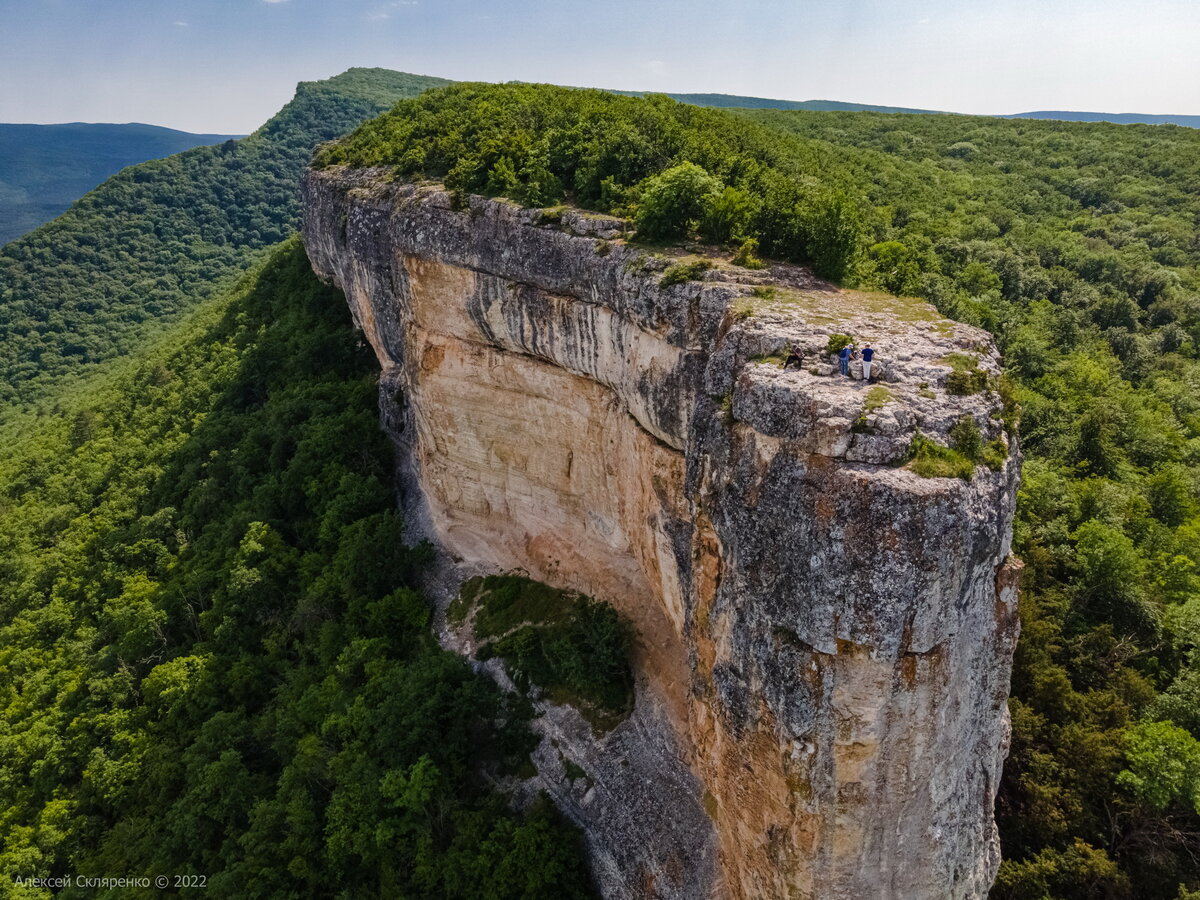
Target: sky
225 66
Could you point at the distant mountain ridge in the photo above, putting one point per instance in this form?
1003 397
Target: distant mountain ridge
738 101
46 168
726 101
157 238
1117 118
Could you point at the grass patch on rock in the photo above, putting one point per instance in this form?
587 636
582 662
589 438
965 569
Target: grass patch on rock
876 398
685 271
929 459
966 378
768 359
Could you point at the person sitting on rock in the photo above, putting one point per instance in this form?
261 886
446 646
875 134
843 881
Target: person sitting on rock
868 355
844 358
794 359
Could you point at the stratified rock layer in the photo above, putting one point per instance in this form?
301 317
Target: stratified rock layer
824 638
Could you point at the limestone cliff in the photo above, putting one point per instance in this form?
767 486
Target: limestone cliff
824 638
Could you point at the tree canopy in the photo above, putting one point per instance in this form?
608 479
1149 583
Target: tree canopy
664 162
213 659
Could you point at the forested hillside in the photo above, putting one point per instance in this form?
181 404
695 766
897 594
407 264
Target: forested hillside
212 658
154 239
197 593
46 168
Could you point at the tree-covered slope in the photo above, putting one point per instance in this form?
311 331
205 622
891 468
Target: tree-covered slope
212 659
154 239
46 168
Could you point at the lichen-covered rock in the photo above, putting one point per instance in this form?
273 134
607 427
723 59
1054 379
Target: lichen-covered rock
824 638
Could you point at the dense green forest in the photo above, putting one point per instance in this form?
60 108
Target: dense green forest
212 659
195 590
156 238
46 168
662 162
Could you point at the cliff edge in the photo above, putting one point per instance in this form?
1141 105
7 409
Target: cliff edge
824 636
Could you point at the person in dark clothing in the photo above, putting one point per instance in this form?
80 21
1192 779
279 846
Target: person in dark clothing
795 358
844 359
868 355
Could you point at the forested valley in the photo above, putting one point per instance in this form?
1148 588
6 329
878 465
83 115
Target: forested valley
213 654
213 658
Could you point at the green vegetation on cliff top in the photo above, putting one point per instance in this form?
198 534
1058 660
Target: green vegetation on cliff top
672 166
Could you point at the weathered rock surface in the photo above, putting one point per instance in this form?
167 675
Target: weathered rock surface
824 639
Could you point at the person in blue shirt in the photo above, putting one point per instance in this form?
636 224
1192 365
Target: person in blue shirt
844 359
867 356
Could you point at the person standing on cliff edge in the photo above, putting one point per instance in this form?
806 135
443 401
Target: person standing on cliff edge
844 359
867 355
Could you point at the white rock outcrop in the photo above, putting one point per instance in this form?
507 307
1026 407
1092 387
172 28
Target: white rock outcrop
824 638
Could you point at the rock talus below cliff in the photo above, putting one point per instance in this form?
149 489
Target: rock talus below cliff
824 638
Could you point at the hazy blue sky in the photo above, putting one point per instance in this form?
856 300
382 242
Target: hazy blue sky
226 65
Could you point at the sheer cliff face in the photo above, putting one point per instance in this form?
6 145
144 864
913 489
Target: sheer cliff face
828 636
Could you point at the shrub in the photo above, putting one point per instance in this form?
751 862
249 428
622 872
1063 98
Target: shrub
673 202
837 342
929 459
1164 765
575 648
977 278
966 378
829 228
747 255
994 455
962 150
582 659
966 439
896 269
685 271
726 215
